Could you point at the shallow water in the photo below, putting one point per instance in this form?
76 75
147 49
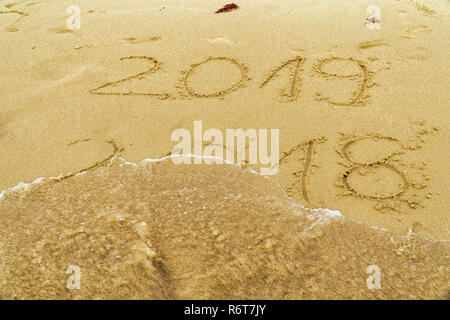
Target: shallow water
159 230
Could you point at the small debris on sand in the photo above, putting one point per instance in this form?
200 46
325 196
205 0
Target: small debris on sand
227 8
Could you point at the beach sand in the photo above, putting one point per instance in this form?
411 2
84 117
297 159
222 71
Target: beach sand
363 119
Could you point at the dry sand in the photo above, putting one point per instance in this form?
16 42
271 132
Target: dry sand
363 118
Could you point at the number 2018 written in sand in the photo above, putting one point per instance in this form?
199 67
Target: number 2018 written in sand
288 94
398 190
391 196
352 165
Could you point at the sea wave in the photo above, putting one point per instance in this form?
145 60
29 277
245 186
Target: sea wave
156 230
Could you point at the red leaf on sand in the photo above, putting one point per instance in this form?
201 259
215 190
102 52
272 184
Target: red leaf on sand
227 8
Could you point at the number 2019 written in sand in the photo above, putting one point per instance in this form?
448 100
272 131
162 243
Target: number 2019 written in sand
288 94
